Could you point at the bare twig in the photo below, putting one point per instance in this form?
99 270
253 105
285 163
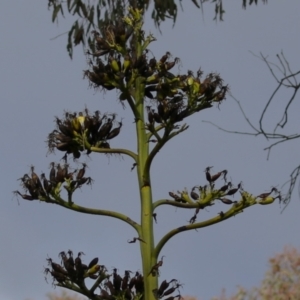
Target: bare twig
287 79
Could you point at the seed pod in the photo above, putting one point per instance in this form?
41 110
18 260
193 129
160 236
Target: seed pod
65 171
165 57
80 270
114 132
35 179
59 277
126 63
227 201
170 65
215 176
170 291
56 267
76 125
233 191
25 197
81 172
132 283
264 195
93 270
47 185
59 174
105 129
267 200
52 175
114 65
64 129
82 120
76 154
62 146
96 123
193 194
82 181
78 263
139 284
26 182
125 280
70 269
117 280
70 259
110 286
93 262
156 117
163 286
150 115
176 197
225 187
207 174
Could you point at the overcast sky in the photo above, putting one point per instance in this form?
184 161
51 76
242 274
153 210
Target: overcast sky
39 81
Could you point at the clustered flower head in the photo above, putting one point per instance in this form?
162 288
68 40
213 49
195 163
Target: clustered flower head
78 132
175 96
73 274
208 194
48 189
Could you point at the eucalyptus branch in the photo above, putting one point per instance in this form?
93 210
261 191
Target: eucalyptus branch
115 151
93 211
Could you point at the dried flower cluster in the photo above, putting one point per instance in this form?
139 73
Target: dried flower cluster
73 273
45 189
78 132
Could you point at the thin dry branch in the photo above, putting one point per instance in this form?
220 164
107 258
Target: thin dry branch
292 182
280 138
286 80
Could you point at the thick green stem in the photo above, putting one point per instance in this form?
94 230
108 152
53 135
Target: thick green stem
147 248
146 233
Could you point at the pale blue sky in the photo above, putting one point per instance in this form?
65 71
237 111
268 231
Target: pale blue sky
38 81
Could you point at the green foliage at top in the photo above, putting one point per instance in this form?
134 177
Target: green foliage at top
100 13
